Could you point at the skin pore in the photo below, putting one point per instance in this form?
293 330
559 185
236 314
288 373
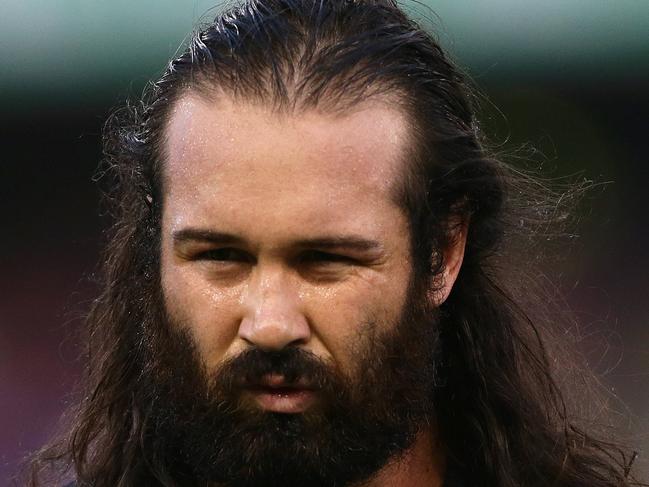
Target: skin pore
282 231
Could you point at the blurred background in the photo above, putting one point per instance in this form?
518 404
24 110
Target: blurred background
570 77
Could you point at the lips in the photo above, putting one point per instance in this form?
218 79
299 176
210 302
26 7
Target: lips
274 394
276 382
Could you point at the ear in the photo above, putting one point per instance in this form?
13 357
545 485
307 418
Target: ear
453 256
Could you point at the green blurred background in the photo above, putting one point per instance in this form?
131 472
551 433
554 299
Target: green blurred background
570 77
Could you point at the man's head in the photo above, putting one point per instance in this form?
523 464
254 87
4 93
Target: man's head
300 278
283 228
286 256
285 150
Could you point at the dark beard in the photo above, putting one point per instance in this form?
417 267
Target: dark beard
201 428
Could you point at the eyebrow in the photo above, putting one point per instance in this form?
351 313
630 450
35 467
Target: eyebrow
204 235
350 242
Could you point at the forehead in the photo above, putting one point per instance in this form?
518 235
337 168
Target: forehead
223 156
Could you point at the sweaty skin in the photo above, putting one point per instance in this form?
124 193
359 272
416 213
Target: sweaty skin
281 230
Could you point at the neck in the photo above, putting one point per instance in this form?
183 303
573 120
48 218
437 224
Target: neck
422 465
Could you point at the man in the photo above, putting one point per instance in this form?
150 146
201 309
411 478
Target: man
306 283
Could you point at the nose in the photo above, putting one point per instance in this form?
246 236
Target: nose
273 317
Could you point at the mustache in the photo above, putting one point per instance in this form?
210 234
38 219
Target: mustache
295 366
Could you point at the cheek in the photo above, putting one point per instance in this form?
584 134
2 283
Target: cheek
346 320
209 314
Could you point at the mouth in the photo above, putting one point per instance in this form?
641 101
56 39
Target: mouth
274 394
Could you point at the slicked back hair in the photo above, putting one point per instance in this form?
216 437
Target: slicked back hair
501 415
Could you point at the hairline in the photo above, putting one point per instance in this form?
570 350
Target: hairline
389 98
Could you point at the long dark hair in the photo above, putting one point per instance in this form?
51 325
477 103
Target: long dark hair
502 417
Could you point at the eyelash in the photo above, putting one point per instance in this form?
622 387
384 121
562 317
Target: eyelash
217 255
311 256
316 255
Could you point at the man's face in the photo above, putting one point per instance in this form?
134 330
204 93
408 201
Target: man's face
283 232
287 282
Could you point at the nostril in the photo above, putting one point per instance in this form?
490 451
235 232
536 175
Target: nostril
274 332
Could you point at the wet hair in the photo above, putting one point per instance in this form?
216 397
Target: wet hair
501 413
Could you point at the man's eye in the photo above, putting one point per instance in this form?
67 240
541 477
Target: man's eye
224 255
318 257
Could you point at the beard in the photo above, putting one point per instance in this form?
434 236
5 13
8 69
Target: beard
200 427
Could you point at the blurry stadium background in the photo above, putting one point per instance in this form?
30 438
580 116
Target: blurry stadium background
571 77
